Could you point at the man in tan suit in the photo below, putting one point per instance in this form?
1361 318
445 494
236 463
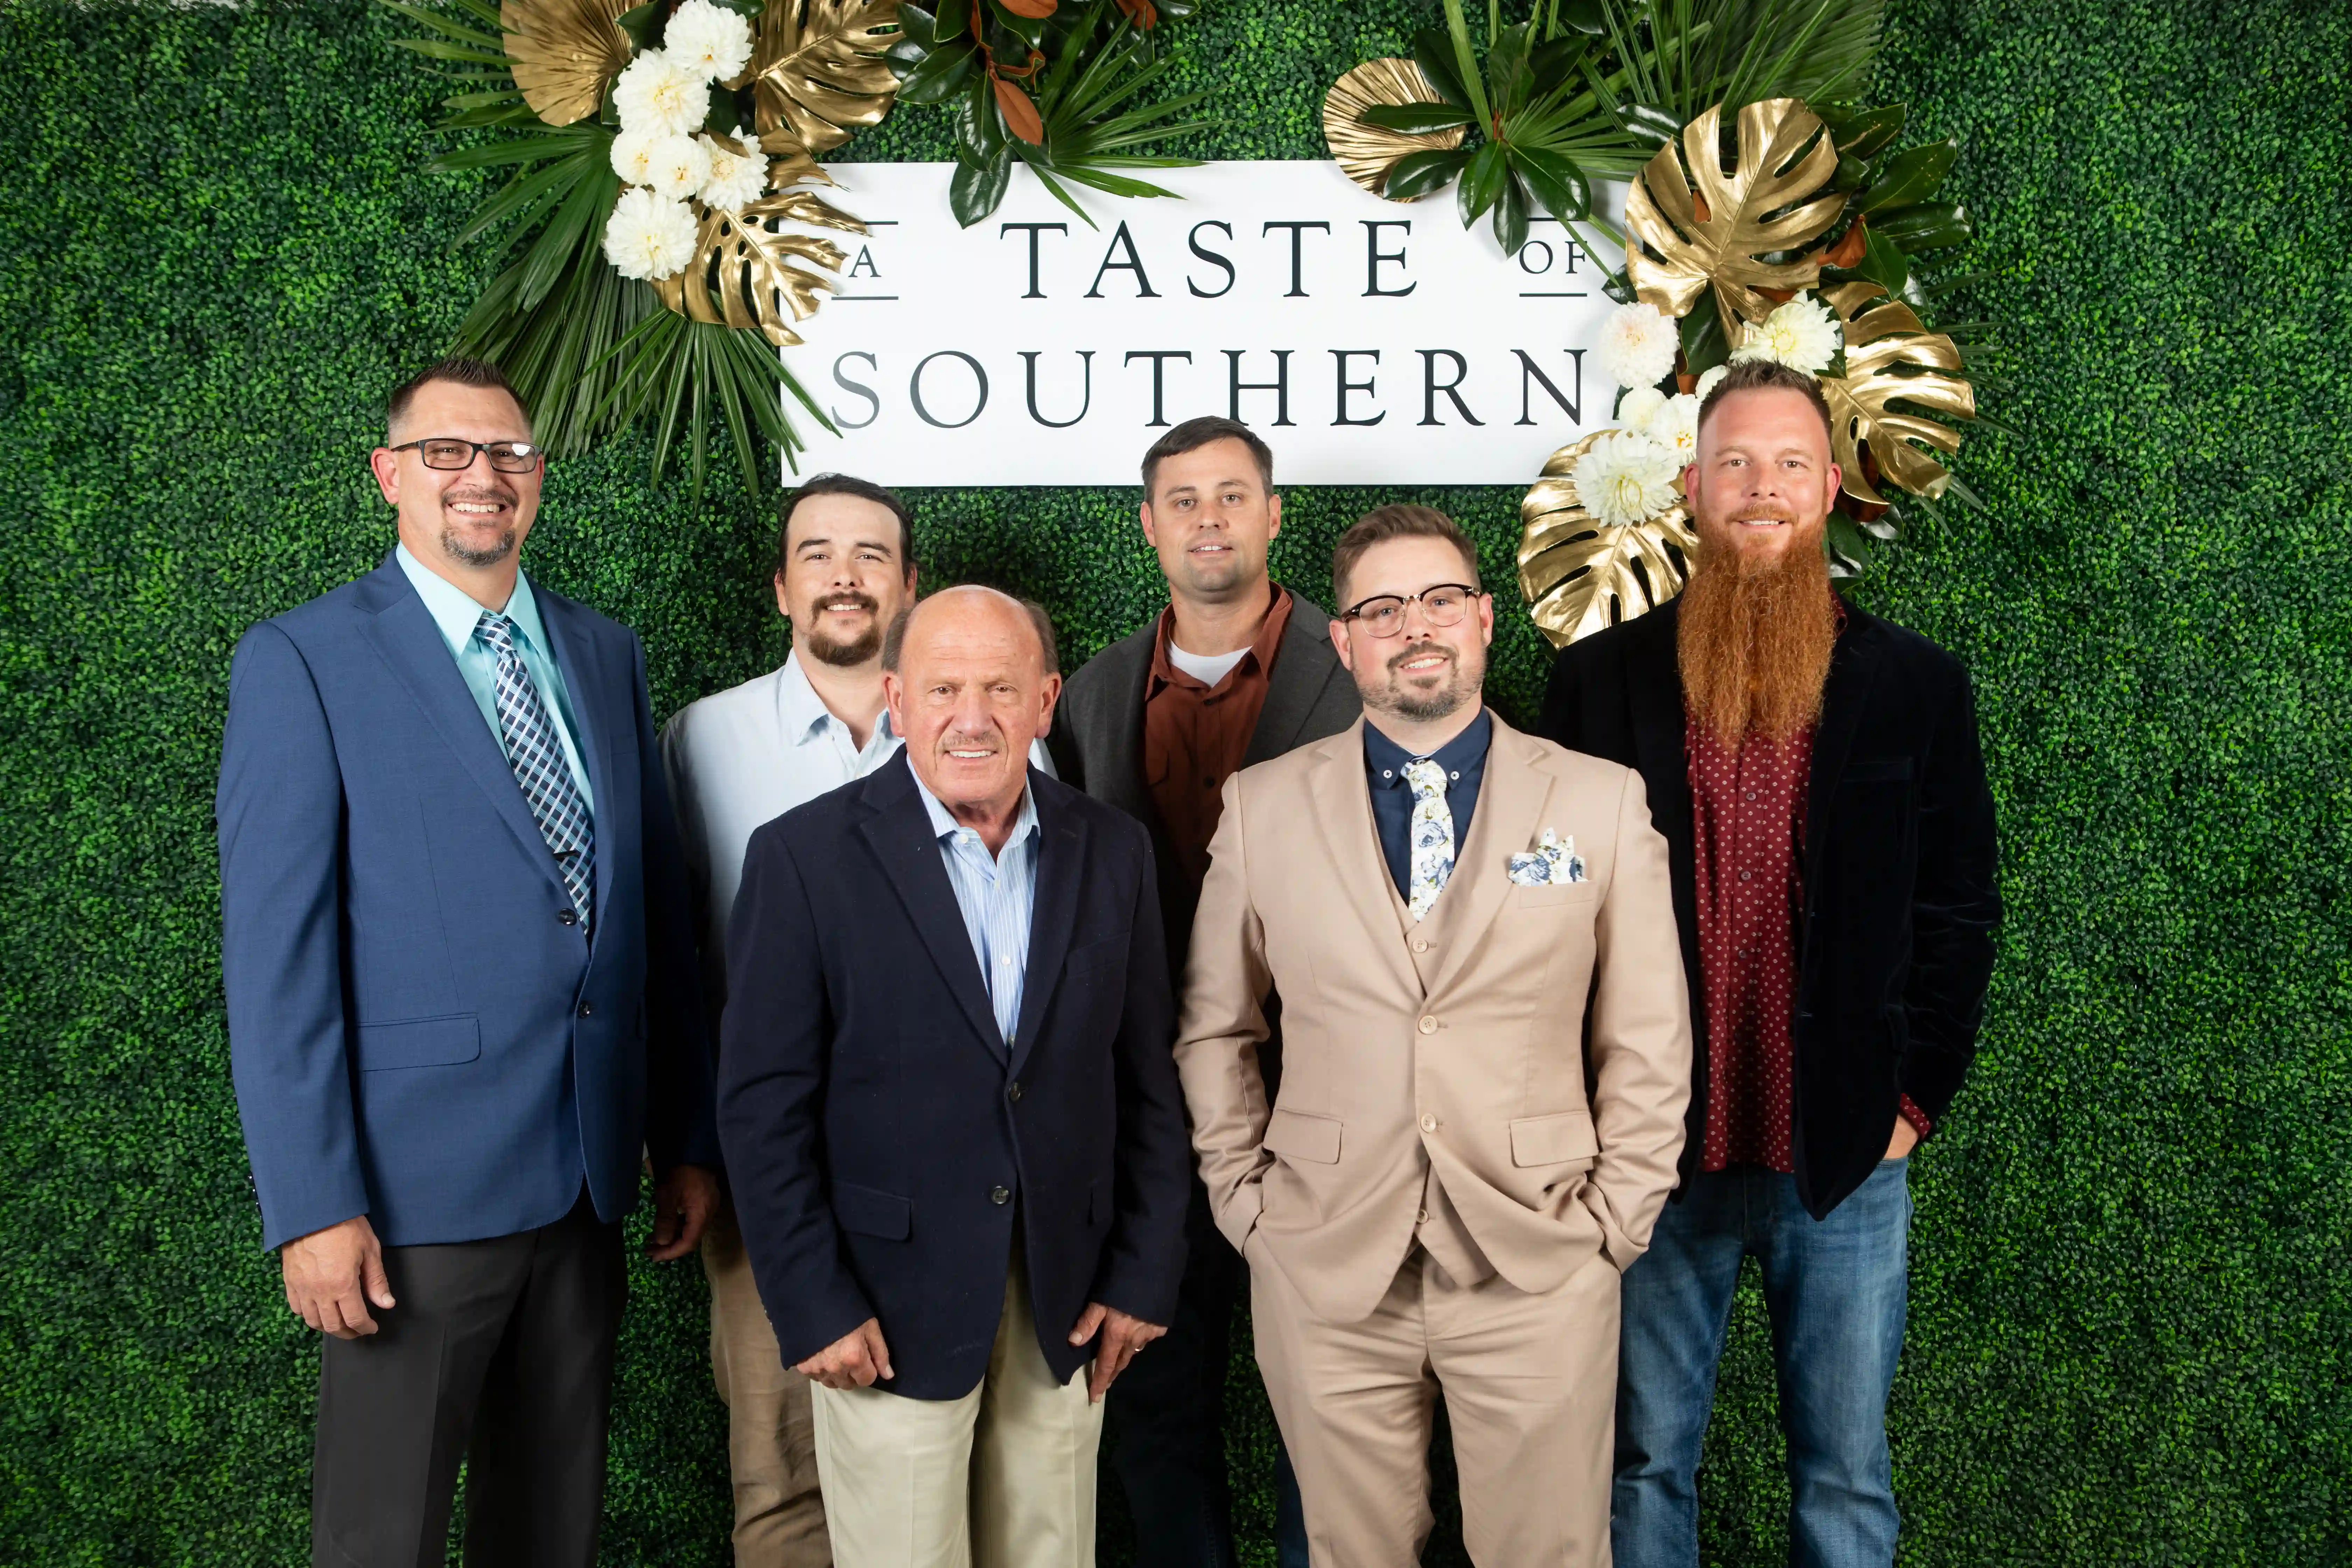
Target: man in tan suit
1486 1058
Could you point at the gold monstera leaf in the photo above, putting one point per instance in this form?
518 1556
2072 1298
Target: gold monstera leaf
1367 152
564 53
821 71
1889 355
1580 575
1685 234
744 271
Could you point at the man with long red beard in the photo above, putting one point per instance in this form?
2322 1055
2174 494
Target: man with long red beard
1815 773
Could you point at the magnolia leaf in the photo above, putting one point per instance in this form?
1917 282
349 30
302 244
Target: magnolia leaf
1580 577
565 53
743 273
822 68
1367 152
1685 234
1890 356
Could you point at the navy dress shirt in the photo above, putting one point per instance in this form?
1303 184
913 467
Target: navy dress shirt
1464 758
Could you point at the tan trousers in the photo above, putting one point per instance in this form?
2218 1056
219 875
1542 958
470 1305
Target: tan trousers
1530 1385
770 1437
1003 1478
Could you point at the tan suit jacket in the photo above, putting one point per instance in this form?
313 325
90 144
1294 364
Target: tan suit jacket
1528 1046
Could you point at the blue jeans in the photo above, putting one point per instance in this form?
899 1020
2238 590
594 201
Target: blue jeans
1835 1289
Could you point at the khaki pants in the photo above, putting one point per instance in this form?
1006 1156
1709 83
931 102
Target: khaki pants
1003 1478
1530 1385
771 1440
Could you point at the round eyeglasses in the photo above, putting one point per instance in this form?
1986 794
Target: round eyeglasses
1383 615
448 452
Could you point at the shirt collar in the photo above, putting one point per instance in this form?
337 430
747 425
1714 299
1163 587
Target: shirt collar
945 825
456 614
803 713
1262 649
1384 756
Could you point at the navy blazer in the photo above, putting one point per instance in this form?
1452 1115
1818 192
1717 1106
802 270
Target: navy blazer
419 1029
880 1137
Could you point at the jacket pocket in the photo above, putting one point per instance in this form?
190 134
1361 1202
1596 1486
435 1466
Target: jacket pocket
1298 1136
884 1215
420 1043
1554 1140
1534 895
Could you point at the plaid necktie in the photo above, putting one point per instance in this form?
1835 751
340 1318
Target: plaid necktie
1432 859
537 758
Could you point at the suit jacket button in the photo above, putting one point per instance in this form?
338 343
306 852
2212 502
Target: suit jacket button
1013 1091
585 1010
1429 1025
569 917
1000 1195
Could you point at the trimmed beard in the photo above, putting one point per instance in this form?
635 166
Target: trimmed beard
1753 639
858 649
1420 708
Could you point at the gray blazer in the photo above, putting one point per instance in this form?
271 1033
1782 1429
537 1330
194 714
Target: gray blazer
1098 737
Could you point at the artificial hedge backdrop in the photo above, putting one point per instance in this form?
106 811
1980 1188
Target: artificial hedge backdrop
2132 1294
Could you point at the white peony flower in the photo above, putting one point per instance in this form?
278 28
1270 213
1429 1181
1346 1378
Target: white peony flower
1675 427
680 165
1802 334
646 236
1637 345
1639 406
709 40
658 96
1707 380
1624 478
735 181
633 156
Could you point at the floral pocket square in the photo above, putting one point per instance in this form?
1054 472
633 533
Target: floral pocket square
1553 859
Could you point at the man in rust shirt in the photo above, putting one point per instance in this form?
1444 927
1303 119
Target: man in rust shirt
1815 773
1236 670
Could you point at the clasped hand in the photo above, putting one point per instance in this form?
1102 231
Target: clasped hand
860 1357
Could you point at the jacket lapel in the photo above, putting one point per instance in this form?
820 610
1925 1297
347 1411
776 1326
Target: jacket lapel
1343 815
1123 715
1853 664
596 708
403 632
899 832
1061 862
1655 683
1303 665
1511 801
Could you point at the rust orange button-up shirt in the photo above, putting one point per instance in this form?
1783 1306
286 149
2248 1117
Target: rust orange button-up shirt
1194 736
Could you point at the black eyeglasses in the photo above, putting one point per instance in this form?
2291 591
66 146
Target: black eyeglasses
448 452
1383 615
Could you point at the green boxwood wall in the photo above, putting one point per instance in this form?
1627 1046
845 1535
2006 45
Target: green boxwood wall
2132 1294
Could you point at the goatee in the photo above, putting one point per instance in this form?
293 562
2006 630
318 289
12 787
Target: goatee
1753 638
858 649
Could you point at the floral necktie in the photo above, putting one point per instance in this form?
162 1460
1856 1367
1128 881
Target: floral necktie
1433 835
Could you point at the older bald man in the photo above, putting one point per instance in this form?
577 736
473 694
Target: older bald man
950 1111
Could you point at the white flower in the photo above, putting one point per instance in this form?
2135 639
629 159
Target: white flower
1707 380
709 40
1801 335
633 156
679 166
1637 345
1639 406
646 236
1675 427
658 96
1624 478
735 181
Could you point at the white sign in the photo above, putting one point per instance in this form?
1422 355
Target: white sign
1369 342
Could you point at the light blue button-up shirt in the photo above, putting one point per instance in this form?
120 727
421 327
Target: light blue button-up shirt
997 895
454 612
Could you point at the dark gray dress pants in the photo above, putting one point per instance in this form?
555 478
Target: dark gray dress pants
499 1353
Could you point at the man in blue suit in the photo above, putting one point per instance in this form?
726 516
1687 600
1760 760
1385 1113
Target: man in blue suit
462 1001
952 1125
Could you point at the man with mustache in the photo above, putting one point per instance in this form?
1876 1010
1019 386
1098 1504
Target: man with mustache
1237 668
1487 1052
461 1001
845 570
1815 771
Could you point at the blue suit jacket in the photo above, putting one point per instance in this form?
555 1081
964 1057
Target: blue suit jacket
871 1111
417 1031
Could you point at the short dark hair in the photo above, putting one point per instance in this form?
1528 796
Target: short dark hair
1399 520
1194 434
1763 375
894 641
460 369
844 485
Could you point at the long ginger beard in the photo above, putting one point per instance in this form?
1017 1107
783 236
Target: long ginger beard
1753 637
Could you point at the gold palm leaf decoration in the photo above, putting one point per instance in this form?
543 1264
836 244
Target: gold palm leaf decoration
1713 229
1367 152
564 53
744 273
821 71
1580 577
1890 356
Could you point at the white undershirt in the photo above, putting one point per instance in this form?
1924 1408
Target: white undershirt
1208 668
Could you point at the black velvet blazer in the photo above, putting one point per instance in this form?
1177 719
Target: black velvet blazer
1894 948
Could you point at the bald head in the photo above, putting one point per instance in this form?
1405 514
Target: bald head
969 674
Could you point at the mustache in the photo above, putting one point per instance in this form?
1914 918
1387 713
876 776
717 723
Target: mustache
1419 650
494 494
852 600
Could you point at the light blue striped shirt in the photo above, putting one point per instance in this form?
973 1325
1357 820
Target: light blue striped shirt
996 894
